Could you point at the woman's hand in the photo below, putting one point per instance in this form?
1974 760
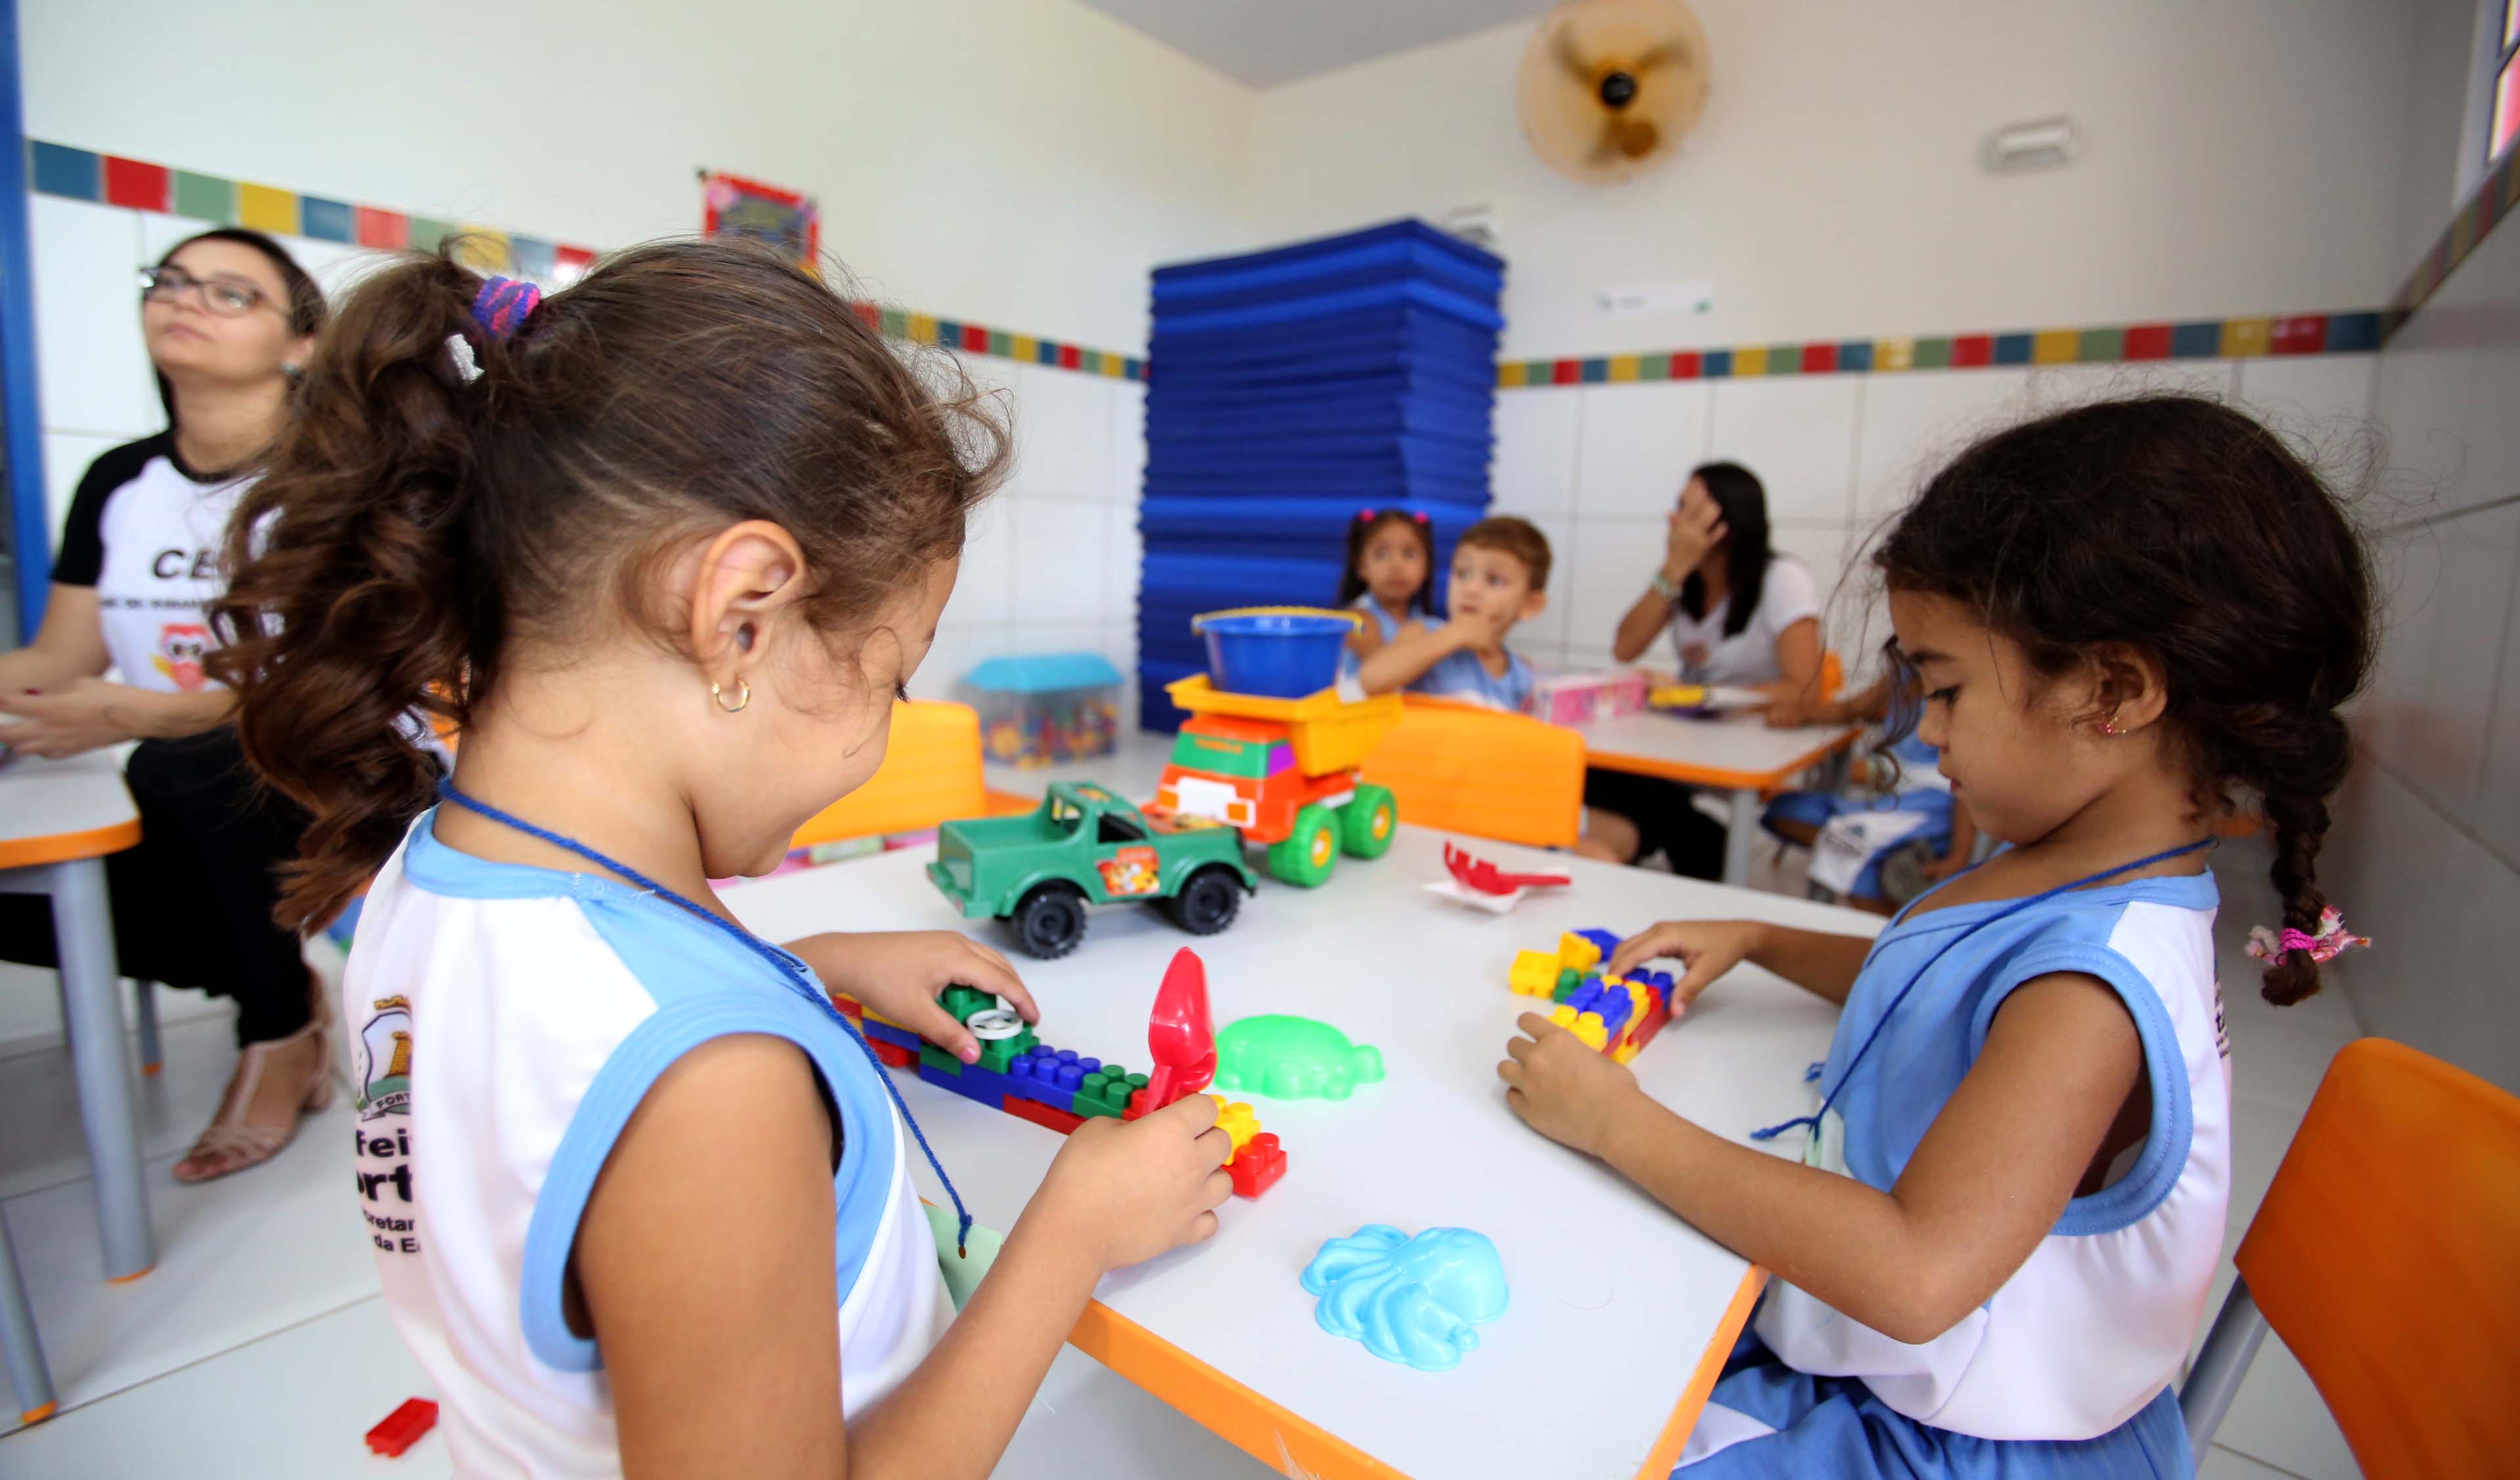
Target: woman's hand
1129 1191
1709 947
88 714
901 974
1564 1087
1695 528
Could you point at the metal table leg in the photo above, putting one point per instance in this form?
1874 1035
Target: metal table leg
1738 838
27 1370
83 926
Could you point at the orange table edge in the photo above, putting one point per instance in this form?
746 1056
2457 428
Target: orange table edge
63 847
1716 776
1276 1437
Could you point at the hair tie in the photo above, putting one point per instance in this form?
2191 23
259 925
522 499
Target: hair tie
1365 516
1418 515
503 305
2332 940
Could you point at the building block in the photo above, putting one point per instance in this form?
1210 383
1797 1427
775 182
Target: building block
1041 1114
1534 973
1605 941
404 1427
1256 1168
1578 952
878 1030
963 1002
1107 1092
1236 1120
895 1054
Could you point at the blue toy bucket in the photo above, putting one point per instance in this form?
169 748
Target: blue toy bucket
1275 651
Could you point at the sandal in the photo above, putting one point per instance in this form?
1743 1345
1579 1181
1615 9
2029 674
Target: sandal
232 1143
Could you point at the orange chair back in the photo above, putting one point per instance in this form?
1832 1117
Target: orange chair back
930 774
2387 1256
1464 769
1832 674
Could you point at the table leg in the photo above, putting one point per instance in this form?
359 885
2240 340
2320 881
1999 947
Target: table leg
144 1006
83 927
27 1370
1738 838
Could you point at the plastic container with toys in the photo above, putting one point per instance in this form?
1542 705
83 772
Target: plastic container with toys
1044 708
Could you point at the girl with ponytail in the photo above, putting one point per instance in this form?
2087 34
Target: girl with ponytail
2125 620
662 549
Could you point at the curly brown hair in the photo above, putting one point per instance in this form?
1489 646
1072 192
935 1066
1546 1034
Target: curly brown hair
2183 528
417 522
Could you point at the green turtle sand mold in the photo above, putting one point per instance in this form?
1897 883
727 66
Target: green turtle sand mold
1286 1058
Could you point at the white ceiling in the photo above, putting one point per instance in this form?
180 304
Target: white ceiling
1266 42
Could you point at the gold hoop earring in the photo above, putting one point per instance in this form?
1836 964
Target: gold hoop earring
743 697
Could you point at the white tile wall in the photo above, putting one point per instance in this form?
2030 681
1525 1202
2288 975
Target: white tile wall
1636 446
1797 433
1534 469
1914 424
1050 561
2448 589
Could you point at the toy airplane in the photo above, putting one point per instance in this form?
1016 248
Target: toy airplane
1482 885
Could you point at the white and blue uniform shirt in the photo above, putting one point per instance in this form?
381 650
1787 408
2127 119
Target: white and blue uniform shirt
510 1019
2088 1335
1462 676
1383 621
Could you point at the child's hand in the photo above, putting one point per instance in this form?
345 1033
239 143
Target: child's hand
1128 1191
900 973
1564 1088
1709 947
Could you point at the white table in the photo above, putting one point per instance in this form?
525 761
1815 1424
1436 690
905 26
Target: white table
1736 753
1621 1315
58 822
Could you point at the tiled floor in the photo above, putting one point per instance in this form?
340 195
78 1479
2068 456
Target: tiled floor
259 1346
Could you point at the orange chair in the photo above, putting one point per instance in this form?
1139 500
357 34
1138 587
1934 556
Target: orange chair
930 774
1464 769
2387 1255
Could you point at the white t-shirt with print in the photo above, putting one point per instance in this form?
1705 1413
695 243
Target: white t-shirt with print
146 532
1788 596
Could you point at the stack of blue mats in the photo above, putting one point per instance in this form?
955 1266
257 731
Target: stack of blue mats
1289 390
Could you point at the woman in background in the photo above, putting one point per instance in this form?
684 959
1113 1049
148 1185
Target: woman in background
229 319
1739 614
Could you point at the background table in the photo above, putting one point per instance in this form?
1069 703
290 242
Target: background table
1620 1313
58 821
1734 754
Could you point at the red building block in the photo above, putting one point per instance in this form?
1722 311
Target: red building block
1650 1024
894 1054
404 1427
1041 1114
1256 1168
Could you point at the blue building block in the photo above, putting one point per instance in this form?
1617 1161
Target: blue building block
1615 1008
884 1032
972 1083
1050 1075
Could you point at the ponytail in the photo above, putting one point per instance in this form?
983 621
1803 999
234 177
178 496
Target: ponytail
348 607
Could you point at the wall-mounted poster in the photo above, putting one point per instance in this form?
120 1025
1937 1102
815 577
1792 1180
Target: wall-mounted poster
786 219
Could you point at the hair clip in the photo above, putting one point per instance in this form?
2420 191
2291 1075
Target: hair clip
2332 940
460 349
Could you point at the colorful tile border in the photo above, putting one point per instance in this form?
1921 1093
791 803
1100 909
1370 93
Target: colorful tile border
79 174
2495 199
2198 339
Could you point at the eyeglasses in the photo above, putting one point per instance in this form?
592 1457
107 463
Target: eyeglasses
227 297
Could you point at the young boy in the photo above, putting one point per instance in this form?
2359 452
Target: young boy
1500 569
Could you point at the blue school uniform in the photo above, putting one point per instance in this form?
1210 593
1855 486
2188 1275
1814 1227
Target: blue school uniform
1932 803
2069 1368
1462 676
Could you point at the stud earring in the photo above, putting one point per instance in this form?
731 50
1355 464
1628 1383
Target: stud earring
743 697
2109 726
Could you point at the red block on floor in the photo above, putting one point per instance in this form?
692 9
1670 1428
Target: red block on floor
1041 1114
1256 1168
404 1427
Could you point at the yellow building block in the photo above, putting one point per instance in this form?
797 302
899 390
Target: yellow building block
1575 950
1534 973
1237 1121
1595 1032
1564 1016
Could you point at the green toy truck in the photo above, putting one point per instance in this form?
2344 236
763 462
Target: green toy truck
1084 845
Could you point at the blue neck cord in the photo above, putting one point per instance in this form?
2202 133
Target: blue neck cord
1813 1120
788 966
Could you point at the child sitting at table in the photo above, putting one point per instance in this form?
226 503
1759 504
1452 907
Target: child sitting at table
1903 803
1499 577
1390 569
2013 1194
666 546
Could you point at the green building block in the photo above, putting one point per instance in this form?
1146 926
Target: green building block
935 1057
1106 1093
963 1002
996 1054
1569 979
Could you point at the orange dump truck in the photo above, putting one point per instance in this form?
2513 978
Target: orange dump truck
1283 771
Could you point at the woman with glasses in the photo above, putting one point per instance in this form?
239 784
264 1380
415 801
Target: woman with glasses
229 319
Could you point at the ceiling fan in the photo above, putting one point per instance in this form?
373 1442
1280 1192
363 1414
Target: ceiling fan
1610 87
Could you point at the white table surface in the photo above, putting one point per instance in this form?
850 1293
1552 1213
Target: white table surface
1731 751
47 798
1613 1300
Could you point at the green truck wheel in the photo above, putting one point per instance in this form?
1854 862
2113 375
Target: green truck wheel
1305 857
1368 821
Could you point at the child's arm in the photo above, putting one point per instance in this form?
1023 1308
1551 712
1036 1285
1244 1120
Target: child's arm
1820 963
1406 658
1991 1177
1365 641
704 1258
1797 664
